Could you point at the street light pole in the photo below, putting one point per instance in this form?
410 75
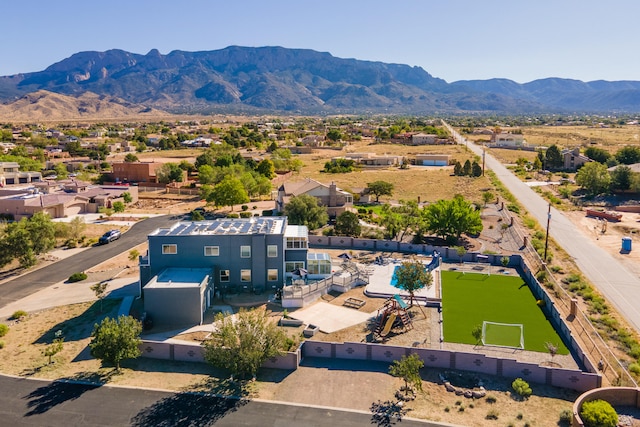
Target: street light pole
546 240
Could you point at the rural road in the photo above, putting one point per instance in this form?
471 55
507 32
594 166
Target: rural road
33 281
618 285
27 402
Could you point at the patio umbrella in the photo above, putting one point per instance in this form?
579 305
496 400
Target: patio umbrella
345 256
301 272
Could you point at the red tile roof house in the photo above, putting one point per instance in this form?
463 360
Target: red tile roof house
335 200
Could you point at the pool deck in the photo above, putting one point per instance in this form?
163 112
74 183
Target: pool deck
380 281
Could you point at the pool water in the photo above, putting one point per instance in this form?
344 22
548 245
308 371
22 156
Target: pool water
394 279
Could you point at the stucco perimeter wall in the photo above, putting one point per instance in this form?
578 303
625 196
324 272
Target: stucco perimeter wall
187 352
616 396
393 246
444 359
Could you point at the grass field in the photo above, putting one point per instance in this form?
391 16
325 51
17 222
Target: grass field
471 298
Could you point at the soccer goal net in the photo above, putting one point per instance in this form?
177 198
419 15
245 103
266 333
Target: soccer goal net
503 334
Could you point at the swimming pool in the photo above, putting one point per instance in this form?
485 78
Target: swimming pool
394 278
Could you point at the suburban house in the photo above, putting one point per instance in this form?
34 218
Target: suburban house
186 263
10 174
427 139
374 161
432 159
335 200
504 139
135 172
572 159
61 199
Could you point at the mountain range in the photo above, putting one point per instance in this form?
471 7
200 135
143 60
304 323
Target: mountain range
301 81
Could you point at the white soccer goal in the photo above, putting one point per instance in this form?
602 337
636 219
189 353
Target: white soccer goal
510 335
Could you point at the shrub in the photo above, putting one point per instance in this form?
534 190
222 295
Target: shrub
521 387
492 414
77 277
1 344
447 409
244 207
18 315
566 417
233 215
598 413
267 212
513 208
246 214
3 329
634 368
491 399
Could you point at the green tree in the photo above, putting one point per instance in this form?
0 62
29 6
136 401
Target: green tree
127 197
408 369
476 169
61 171
621 178
487 196
598 413
100 290
466 168
169 172
537 164
628 155
521 387
553 158
597 154
348 224
594 178
476 333
206 174
334 135
339 165
54 348
266 169
457 169
118 206
115 340
130 157
228 192
380 188
187 166
304 210
450 218
242 343
412 276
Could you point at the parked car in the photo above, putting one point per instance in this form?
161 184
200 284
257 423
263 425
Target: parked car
109 236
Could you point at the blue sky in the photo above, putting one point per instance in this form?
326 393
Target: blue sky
521 40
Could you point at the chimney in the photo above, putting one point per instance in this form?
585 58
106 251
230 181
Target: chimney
333 195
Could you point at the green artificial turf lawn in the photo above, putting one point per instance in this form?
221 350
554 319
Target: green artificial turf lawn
469 299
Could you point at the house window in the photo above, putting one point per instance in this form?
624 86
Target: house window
245 275
211 250
224 275
272 251
245 251
272 274
296 243
169 249
292 265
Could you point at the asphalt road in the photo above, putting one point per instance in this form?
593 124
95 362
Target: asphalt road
28 402
29 283
620 286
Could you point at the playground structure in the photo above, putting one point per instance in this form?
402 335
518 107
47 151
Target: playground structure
436 260
393 310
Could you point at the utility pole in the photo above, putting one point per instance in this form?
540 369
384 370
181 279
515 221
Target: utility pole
546 240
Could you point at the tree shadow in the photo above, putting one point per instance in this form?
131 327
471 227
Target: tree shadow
46 397
80 327
187 409
388 413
